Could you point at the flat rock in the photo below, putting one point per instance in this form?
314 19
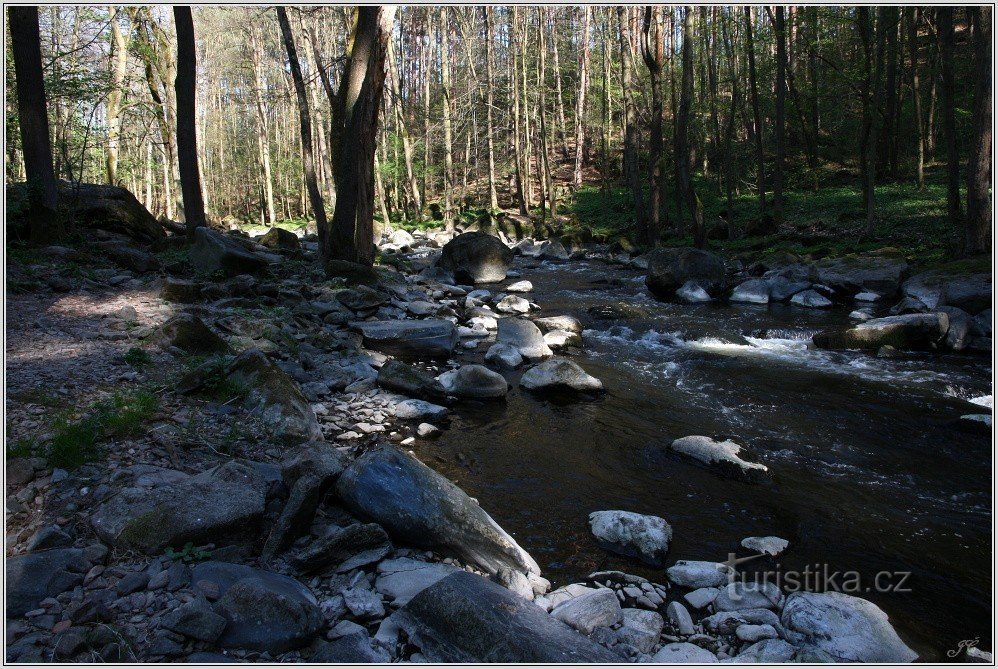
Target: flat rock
474 382
524 336
585 613
811 299
559 374
428 338
720 455
401 579
699 574
769 545
419 410
34 576
632 534
903 332
683 653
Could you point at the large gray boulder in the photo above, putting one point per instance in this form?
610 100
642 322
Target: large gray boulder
476 257
429 338
419 506
199 509
585 613
524 336
669 269
402 579
276 396
753 291
560 374
848 628
35 576
264 611
474 382
632 534
214 252
189 333
699 574
465 618
853 275
970 292
408 380
907 331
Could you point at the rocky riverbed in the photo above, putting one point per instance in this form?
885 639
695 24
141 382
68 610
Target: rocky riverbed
271 507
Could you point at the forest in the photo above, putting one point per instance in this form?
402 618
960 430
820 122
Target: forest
498 334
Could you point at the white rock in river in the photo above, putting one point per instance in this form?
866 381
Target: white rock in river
595 609
768 545
984 401
692 292
848 628
811 299
753 291
739 595
559 373
699 574
520 287
513 304
722 455
868 296
524 336
428 431
567 323
503 356
632 534
418 410
474 382
860 315
701 597
683 653
641 628
559 339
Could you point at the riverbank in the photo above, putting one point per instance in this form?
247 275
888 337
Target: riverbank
167 345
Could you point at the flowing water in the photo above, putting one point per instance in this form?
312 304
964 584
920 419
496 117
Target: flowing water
869 472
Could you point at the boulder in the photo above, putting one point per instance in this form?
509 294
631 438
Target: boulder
342 549
474 382
769 651
909 305
632 534
352 273
971 292
361 298
408 380
178 290
402 579
280 239
513 304
552 249
198 509
559 374
692 293
264 611
721 456
427 338
852 275
683 653
769 545
276 396
524 336
352 648
214 252
680 618
420 410
848 628
782 288
476 257
559 340
599 608
419 506
503 356
811 299
401 238
465 618
909 331
739 595
641 629
35 576
669 269
195 620
962 328
520 287
699 574
566 323
189 333
753 291
726 622
127 256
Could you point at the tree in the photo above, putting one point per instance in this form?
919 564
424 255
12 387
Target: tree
916 95
631 168
114 97
44 225
489 95
654 55
187 144
684 147
781 97
756 115
326 242
358 101
978 223
946 38
580 100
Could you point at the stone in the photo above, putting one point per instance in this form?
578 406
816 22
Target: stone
524 336
909 305
565 323
399 377
769 545
344 549
782 288
427 431
418 506
970 292
428 338
559 340
179 290
721 456
420 410
768 651
669 269
132 583
683 653
726 622
699 574
680 618
68 645
402 579
868 297
363 603
599 608
352 273
196 620
753 633
198 510
848 628
32 577
350 649
701 597
552 249
753 291
850 275
48 537
513 304
693 293
20 471
961 328
275 396
265 611
811 299
503 356
474 382
632 534
906 332
559 374
465 618
213 252
361 298
520 287
189 333
280 239
641 628
515 581
476 257
739 595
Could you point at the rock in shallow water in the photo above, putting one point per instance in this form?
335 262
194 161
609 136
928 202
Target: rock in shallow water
908 331
768 545
562 374
476 257
599 608
632 534
503 356
719 455
811 299
670 269
430 338
699 574
753 291
524 336
474 382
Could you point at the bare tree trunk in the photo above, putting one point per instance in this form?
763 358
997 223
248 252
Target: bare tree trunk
654 56
916 95
425 74
978 223
445 65
559 98
262 127
524 93
781 97
580 100
756 115
945 18
187 144
545 157
518 131
887 162
631 169
682 132
44 224
489 126
120 60
410 174
326 249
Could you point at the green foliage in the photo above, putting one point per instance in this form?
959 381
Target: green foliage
189 553
215 384
137 357
123 414
24 447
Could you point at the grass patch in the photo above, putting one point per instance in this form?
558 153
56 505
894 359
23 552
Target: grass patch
137 357
25 447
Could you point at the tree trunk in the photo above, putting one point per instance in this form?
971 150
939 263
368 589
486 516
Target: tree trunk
886 163
120 61
489 126
781 96
683 134
945 19
326 249
262 127
916 95
653 52
631 131
187 144
445 65
545 167
756 115
580 100
518 132
44 224
410 174
358 104
559 98
978 223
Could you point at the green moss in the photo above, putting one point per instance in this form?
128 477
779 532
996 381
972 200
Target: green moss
145 530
